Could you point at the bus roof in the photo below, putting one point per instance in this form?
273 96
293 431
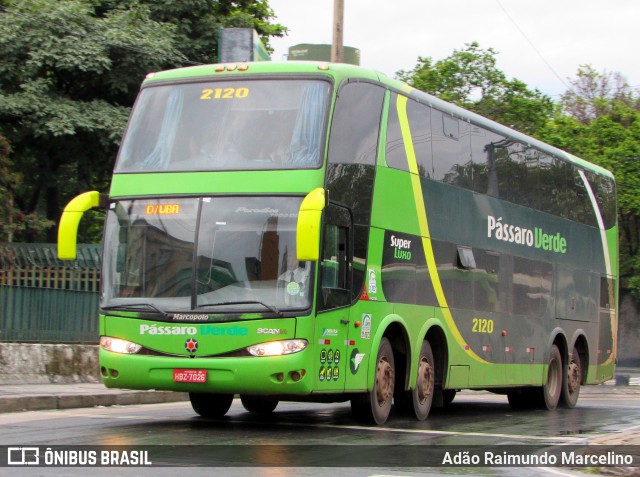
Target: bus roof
340 72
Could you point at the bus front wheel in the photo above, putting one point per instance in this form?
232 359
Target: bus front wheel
375 405
258 404
209 405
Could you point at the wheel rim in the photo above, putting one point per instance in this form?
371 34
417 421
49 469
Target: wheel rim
384 382
425 380
573 377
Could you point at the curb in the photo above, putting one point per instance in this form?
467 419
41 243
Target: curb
73 401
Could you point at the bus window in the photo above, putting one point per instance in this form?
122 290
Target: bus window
520 181
227 125
335 261
532 286
484 152
395 154
607 293
486 290
582 211
604 190
356 120
419 120
451 149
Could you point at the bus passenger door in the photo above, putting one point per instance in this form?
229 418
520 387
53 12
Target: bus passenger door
334 297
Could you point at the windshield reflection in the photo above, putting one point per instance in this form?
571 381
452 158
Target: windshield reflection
232 254
226 125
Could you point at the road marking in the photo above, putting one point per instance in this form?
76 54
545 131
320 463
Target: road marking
561 440
553 471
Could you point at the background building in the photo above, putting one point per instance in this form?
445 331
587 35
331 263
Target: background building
321 52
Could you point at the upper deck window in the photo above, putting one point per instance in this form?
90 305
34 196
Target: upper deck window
227 125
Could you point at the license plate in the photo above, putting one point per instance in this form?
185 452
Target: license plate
189 375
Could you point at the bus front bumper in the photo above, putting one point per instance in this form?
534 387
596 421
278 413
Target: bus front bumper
272 375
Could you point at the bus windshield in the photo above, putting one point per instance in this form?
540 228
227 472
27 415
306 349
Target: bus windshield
226 125
210 254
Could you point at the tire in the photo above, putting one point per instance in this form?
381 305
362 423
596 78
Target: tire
374 406
571 381
422 393
552 389
209 405
522 398
448 395
259 404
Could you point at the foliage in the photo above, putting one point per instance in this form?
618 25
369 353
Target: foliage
598 119
594 94
197 22
471 79
69 73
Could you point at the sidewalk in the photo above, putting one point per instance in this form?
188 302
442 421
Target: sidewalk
39 397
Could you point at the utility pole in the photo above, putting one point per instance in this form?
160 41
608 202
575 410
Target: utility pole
337 48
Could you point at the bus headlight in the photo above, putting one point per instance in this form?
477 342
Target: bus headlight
277 348
117 345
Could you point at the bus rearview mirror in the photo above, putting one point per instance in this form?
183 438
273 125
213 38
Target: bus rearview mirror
68 227
308 228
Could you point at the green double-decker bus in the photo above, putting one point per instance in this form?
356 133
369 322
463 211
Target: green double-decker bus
320 232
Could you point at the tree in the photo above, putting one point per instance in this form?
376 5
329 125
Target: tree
66 82
69 73
599 119
471 79
197 22
595 94
12 219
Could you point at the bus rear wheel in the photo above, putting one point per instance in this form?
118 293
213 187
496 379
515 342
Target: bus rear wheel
552 389
422 394
375 405
571 381
545 397
209 405
259 404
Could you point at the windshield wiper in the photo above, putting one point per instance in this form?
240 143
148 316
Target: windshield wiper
136 306
271 308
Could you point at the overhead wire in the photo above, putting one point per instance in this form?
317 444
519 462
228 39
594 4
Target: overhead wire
533 46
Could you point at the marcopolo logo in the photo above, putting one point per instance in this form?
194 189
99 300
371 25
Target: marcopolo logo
536 237
401 248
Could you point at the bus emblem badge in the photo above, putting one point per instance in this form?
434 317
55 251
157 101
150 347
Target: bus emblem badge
191 345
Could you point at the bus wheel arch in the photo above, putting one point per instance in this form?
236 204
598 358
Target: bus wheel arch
438 341
386 375
374 406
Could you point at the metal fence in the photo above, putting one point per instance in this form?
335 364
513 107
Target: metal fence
43 299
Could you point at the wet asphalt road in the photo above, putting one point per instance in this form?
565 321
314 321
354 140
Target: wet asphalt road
475 420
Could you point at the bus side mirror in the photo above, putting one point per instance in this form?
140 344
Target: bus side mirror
308 228
68 227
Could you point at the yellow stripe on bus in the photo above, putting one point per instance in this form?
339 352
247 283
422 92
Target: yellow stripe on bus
424 227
